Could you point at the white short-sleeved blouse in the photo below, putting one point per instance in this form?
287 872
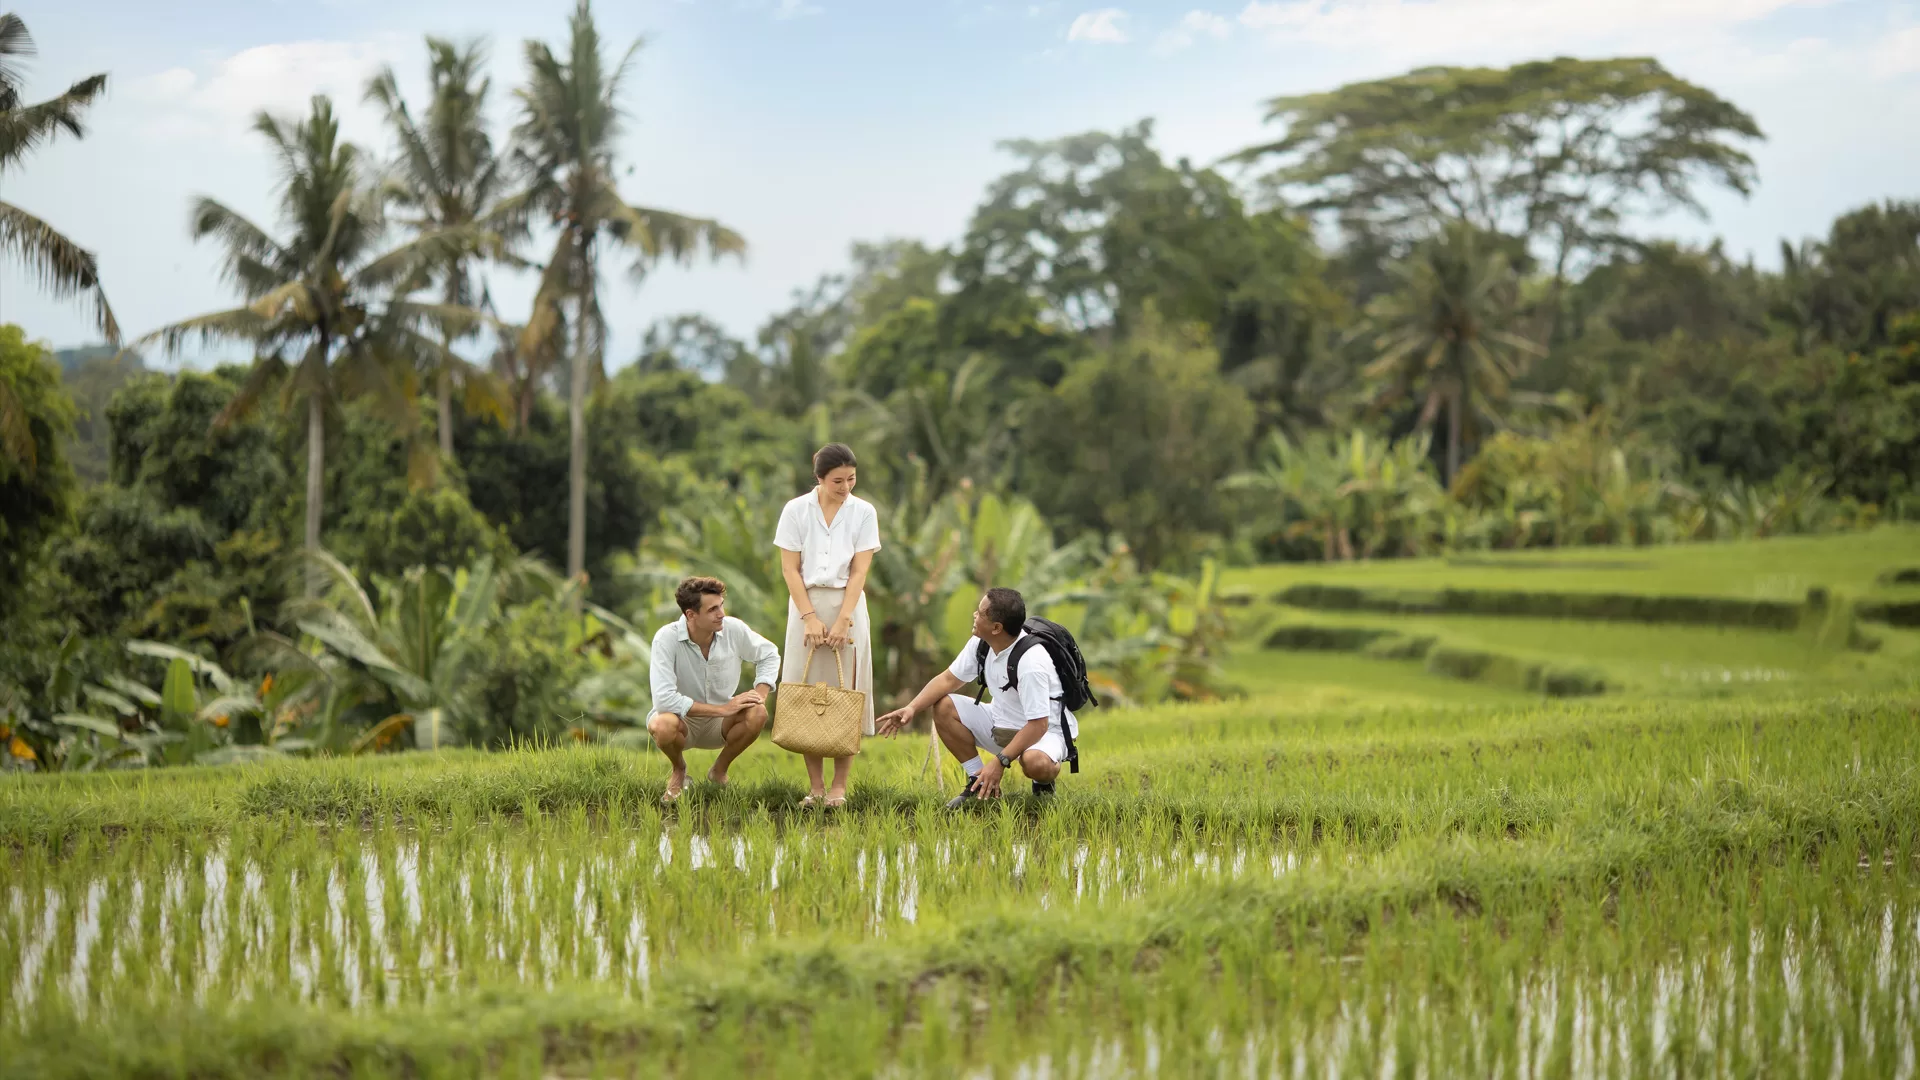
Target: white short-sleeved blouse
827 551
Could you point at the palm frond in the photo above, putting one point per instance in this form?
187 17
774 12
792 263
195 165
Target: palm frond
61 266
14 41
266 371
382 372
417 168
293 299
243 241
24 129
237 324
416 261
661 235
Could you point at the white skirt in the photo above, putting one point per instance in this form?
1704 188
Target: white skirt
856 657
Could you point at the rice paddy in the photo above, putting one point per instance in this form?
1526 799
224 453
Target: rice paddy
1391 881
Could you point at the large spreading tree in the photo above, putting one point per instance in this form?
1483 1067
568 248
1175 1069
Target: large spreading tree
1559 152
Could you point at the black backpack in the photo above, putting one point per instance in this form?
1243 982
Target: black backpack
1068 664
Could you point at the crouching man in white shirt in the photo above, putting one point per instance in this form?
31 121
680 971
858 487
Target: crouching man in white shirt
696 671
1028 725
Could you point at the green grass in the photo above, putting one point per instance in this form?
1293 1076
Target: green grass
1317 680
1648 659
1361 868
1775 569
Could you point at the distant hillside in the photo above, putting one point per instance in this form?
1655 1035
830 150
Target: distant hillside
91 375
73 358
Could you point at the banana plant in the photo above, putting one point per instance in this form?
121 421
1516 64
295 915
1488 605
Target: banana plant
617 697
734 543
412 661
1352 496
199 713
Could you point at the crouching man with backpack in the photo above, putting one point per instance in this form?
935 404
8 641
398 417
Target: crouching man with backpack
1037 677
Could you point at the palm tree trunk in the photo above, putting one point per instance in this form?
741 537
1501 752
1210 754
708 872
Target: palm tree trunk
1453 435
577 451
316 476
445 391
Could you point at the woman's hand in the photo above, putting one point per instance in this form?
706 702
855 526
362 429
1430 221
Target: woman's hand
841 634
814 630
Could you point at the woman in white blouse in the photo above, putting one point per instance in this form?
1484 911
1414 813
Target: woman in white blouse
827 538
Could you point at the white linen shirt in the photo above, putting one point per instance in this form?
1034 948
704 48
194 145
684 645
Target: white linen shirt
682 676
1038 694
827 551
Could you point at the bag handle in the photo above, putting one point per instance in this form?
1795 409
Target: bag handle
839 665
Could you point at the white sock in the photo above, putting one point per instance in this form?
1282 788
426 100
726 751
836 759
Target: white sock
973 765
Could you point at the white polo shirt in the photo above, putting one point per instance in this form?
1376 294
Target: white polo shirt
827 551
1038 694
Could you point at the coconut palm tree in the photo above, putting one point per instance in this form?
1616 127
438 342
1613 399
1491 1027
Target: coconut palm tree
61 266
325 296
448 177
570 122
1440 335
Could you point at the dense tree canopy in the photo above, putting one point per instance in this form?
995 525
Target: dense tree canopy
1560 152
1124 369
37 487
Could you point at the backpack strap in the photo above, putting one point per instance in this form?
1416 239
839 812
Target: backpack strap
1014 653
980 661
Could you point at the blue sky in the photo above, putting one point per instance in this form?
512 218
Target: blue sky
809 124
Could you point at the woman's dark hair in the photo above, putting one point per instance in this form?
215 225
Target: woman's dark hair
830 457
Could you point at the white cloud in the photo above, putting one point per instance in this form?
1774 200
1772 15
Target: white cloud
1898 53
794 9
1194 26
1104 27
1411 28
221 100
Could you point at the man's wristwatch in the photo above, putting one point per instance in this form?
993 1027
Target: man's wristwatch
1005 761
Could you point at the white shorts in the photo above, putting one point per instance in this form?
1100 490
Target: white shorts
979 721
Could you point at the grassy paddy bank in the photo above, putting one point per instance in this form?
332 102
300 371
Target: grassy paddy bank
1528 888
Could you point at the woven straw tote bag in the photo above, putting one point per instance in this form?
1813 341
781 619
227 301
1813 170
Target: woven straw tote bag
818 719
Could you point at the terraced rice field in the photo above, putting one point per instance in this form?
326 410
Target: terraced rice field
1419 876
1792 615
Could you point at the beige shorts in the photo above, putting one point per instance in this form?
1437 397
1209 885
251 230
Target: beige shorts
705 732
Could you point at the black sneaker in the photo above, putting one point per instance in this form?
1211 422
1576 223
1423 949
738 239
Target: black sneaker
1042 788
967 794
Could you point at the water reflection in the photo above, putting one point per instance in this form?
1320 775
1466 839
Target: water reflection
410 918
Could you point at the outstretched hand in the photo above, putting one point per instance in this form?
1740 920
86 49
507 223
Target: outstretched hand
892 722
